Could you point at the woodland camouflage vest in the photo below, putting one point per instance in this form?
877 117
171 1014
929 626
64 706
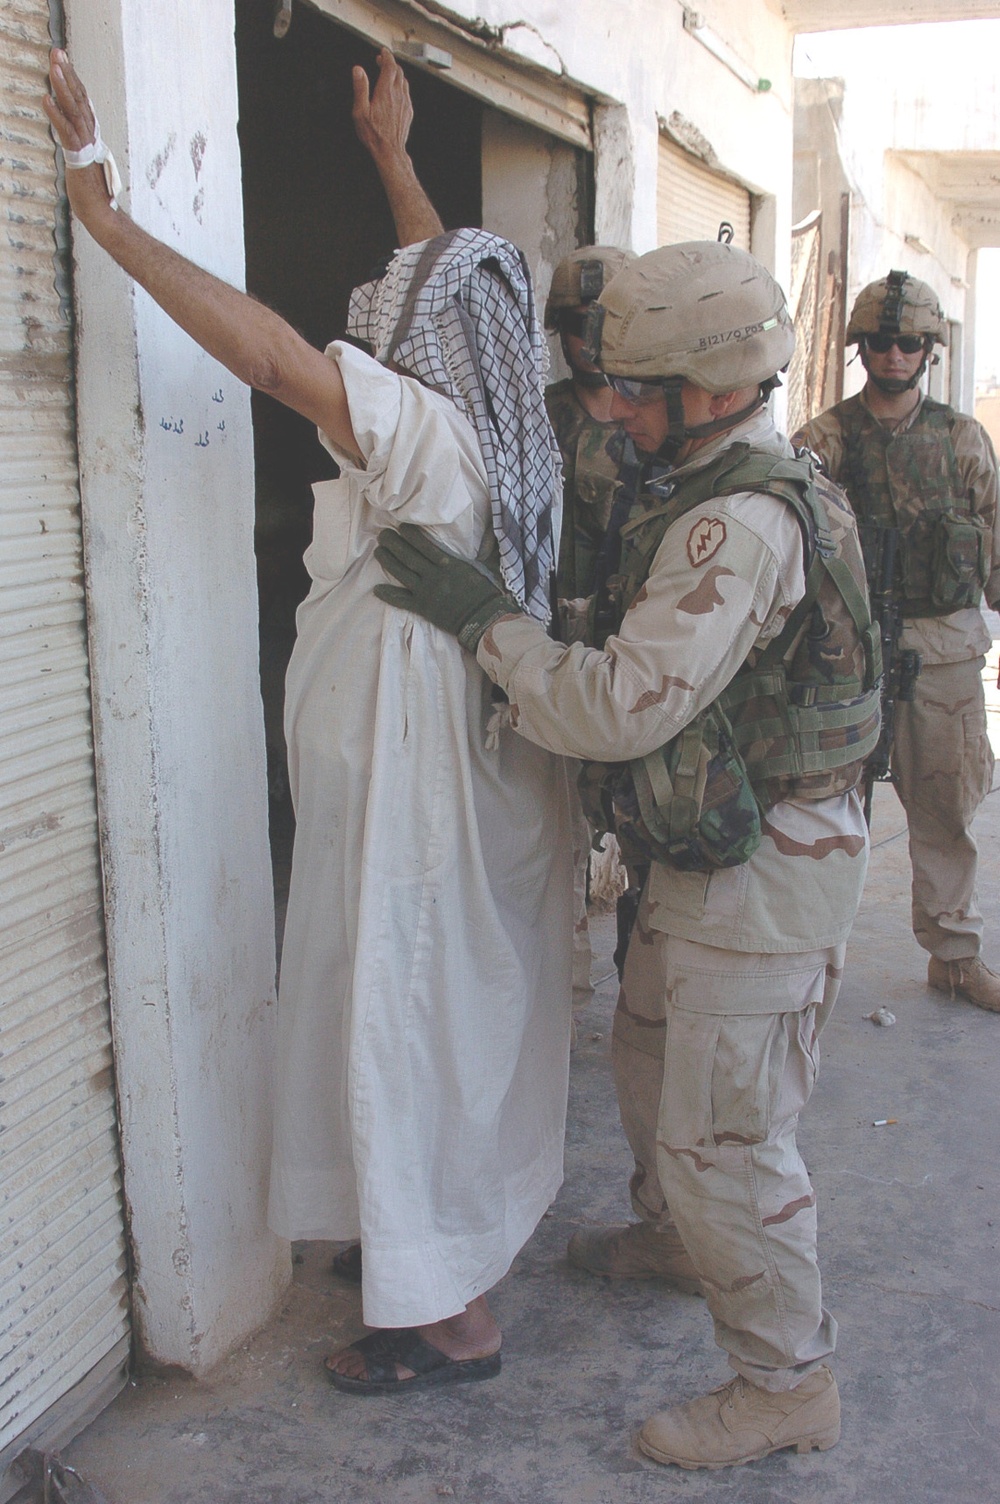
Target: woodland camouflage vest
592 455
911 481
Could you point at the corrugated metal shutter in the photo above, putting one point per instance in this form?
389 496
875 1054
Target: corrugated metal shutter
63 1284
692 201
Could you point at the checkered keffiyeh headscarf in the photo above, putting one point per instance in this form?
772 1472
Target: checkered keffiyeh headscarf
458 313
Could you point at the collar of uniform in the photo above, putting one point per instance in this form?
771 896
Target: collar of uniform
758 430
903 424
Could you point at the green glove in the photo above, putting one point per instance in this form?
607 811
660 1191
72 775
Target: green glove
461 596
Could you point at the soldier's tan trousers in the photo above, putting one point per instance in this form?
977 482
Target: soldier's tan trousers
715 1054
942 766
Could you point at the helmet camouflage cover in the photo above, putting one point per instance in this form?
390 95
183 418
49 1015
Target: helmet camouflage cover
582 276
702 309
897 304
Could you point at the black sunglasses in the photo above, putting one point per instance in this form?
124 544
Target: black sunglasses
906 344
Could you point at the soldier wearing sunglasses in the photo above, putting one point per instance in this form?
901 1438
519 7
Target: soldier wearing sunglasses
926 476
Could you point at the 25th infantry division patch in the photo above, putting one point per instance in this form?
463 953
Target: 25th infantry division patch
705 539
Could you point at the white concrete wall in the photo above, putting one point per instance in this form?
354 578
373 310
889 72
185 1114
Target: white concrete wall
167 478
530 196
636 56
911 89
529 191
893 204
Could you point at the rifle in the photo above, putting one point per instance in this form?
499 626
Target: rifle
900 667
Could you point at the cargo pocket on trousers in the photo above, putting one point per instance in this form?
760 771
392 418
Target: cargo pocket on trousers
977 764
748 1069
721 1075
734 1080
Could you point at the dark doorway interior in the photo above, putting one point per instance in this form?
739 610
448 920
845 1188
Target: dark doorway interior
316 222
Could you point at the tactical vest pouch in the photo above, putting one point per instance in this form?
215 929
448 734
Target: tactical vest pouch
690 802
959 553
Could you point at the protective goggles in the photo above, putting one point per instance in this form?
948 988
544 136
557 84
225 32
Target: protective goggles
906 344
636 392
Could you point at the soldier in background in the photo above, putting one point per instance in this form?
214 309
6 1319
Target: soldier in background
912 464
599 474
593 444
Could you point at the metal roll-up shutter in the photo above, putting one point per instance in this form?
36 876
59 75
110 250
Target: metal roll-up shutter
63 1285
692 200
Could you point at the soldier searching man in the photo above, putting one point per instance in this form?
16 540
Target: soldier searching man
922 480
729 689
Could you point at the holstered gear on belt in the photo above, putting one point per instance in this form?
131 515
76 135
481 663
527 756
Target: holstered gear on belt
797 720
911 481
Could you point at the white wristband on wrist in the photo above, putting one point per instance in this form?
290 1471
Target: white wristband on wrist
98 152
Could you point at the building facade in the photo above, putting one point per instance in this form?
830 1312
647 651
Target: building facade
137 753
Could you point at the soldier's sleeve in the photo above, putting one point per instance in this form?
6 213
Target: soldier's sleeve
977 463
824 437
718 583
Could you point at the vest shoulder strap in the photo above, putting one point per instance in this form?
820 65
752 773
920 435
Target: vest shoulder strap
740 468
938 413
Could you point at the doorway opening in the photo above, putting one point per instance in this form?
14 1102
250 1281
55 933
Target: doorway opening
316 222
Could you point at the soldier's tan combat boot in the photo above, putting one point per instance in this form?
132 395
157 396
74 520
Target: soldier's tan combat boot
637 1251
970 978
739 1423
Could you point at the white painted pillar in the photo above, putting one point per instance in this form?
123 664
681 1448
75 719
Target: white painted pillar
965 399
615 210
167 480
529 192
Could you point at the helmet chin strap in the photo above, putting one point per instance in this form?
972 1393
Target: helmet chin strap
592 380
679 431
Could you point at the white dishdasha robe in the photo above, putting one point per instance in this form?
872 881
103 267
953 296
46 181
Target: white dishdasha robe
424 1007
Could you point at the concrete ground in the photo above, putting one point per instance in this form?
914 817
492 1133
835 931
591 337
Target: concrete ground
909 1220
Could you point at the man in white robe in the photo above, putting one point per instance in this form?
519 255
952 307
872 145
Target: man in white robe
425 997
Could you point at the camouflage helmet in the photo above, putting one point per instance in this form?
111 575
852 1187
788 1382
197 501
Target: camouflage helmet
702 310
897 304
581 277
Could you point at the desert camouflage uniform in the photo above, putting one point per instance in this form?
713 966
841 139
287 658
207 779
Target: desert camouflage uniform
942 764
731 976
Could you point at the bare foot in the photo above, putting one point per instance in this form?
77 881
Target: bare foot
473 1333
